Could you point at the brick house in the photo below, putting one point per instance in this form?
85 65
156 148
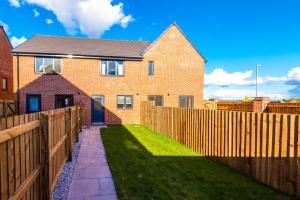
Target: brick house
6 67
111 77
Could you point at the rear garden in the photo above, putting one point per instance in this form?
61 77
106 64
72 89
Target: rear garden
146 165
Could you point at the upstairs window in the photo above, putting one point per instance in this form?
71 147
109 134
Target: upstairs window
124 102
112 68
47 65
4 84
150 68
158 100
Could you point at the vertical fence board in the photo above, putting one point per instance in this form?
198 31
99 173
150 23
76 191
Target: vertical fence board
23 170
264 146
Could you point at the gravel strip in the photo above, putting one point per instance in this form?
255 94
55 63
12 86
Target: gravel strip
63 184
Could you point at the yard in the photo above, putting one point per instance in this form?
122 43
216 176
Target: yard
146 165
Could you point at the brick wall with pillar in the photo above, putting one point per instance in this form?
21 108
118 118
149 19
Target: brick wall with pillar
260 104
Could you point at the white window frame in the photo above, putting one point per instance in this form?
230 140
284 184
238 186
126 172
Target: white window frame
186 98
152 67
104 71
155 97
53 62
125 104
4 83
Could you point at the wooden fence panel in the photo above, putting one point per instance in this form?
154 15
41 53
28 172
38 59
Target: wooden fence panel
33 151
7 108
264 146
287 108
235 106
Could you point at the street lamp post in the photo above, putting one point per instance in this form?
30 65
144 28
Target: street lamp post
257 66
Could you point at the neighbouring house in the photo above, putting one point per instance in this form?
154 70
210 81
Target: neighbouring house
111 77
6 67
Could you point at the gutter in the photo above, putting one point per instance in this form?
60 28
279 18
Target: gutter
18 85
76 56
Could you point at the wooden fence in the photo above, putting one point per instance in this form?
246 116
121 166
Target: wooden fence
33 150
264 146
287 108
210 105
7 108
235 106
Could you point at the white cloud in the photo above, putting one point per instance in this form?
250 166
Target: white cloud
5 26
222 78
91 17
15 3
49 21
238 94
35 13
293 74
17 41
125 21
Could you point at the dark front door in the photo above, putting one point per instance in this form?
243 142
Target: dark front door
98 109
63 100
33 103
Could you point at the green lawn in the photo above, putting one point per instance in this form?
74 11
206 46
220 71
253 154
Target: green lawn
146 165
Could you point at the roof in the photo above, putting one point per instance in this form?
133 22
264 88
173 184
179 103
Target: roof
2 28
88 47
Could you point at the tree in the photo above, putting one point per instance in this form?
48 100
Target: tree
247 99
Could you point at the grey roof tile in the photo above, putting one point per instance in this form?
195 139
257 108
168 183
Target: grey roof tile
58 45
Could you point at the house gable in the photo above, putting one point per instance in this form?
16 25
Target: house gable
6 65
173 37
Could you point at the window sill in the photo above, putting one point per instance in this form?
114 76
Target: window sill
112 75
48 73
124 109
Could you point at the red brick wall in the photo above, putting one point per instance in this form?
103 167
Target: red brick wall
50 85
6 66
178 70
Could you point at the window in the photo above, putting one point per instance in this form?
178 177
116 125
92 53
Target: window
186 101
112 68
33 103
124 102
158 100
4 83
150 68
47 65
63 100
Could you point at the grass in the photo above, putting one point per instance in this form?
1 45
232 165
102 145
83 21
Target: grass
146 165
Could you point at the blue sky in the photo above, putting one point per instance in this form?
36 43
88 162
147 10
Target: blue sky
233 35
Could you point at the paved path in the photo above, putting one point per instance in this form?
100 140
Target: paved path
92 178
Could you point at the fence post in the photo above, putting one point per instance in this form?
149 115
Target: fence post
77 122
81 115
45 154
5 108
68 133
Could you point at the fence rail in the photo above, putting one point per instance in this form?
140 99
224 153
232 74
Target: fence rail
235 106
264 146
287 108
33 150
7 108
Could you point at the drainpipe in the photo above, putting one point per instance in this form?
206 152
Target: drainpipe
18 85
